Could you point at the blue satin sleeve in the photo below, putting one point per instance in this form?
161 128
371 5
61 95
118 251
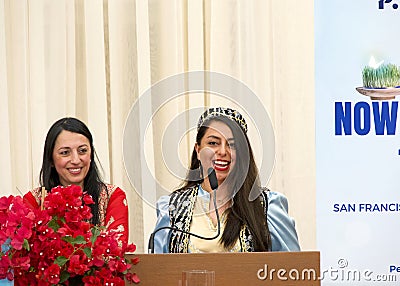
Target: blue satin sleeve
161 238
280 224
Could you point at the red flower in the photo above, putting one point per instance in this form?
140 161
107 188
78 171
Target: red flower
17 242
132 277
135 260
5 202
87 199
52 274
4 266
49 246
76 266
23 263
131 248
91 281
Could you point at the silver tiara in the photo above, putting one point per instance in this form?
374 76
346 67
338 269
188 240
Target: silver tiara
230 113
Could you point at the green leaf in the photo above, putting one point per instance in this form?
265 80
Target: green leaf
64 276
95 234
68 239
87 251
54 224
61 260
26 245
79 240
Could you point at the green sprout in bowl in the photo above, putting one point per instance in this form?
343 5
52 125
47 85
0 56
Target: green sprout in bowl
387 75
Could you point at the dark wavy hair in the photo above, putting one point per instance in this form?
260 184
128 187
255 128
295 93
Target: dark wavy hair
242 179
49 177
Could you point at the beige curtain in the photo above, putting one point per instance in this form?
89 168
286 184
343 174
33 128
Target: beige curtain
93 58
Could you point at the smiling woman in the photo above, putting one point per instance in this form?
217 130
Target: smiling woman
246 225
69 158
217 149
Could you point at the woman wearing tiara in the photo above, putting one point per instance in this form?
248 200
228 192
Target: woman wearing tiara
246 224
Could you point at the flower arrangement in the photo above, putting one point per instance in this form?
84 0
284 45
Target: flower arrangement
57 245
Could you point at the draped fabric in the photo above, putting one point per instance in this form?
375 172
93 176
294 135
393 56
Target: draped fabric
92 59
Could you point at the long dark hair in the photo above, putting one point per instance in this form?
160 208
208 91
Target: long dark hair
241 180
49 177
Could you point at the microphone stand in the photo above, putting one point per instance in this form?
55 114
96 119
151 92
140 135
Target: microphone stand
214 186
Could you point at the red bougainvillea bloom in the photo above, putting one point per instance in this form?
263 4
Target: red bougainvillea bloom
4 266
52 274
76 266
87 199
23 262
135 260
5 202
132 277
56 244
91 281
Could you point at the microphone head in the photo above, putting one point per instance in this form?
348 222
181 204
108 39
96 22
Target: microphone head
212 178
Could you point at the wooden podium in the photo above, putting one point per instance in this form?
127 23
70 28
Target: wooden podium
232 269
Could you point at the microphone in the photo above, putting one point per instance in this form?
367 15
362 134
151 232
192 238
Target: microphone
212 178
